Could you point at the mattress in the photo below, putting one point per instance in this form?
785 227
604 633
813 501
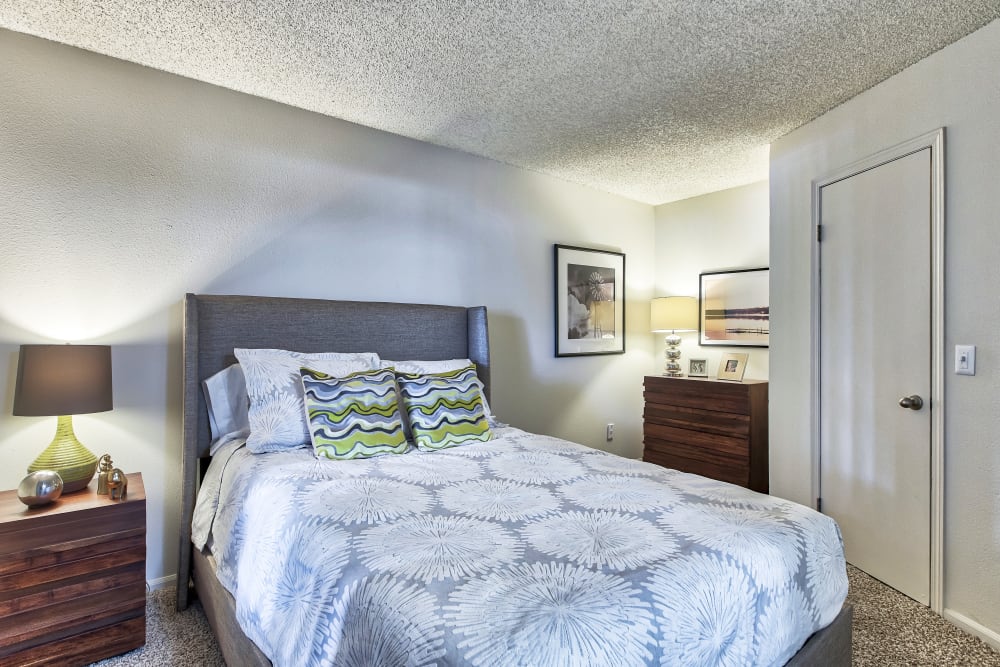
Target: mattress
525 550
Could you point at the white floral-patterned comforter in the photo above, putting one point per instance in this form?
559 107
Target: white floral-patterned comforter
527 550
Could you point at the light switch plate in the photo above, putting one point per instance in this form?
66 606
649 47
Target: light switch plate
965 359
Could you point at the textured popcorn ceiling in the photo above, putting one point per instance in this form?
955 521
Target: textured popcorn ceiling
656 101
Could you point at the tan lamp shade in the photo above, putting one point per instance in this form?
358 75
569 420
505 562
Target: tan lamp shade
673 313
61 381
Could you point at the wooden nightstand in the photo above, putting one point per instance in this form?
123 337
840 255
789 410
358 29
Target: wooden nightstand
709 427
72 577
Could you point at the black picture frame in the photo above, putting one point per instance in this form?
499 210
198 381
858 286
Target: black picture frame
589 301
734 308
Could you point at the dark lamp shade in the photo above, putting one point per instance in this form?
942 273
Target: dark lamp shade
56 380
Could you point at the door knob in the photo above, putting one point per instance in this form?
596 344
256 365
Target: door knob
912 402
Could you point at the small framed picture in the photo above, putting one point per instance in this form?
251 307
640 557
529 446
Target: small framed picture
698 368
733 365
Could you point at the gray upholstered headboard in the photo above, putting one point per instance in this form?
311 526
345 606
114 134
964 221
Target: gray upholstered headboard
215 325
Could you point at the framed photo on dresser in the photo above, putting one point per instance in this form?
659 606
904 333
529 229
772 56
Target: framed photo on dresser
733 366
698 368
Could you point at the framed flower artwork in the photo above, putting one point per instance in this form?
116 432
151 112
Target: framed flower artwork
589 301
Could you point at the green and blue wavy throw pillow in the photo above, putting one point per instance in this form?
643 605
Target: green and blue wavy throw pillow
445 409
355 416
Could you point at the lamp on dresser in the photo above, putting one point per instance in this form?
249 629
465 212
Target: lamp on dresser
62 381
673 314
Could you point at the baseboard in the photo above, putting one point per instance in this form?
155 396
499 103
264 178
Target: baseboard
991 637
168 581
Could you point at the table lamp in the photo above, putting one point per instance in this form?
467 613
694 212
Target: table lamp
62 381
673 314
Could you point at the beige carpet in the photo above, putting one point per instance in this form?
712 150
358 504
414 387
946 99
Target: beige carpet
889 629
892 629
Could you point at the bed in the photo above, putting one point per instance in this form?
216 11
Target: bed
216 325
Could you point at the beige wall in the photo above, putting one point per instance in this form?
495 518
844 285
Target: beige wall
124 188
715 232
955 88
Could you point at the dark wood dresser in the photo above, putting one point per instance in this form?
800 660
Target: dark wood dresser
708 427
72 577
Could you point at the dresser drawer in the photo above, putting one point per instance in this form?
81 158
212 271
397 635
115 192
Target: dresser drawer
37 597
716 396
70 559
72 617
696 419
85 647
697 445
723 473
29 544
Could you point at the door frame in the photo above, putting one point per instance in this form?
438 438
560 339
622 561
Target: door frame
933 140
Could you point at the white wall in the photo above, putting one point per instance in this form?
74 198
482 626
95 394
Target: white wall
124 188
956 88
714 232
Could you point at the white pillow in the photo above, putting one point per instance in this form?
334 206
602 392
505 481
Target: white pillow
274 386
228 405
416 367
427 367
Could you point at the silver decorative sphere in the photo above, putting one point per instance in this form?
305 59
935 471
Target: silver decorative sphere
40 488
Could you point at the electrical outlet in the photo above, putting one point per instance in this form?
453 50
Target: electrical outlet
610 432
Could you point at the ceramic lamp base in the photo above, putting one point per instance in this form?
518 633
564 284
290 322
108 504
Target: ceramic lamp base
673 355
74 462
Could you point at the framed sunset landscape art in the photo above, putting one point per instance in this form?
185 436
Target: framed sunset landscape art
734 308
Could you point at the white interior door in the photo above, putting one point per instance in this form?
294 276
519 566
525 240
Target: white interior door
875 259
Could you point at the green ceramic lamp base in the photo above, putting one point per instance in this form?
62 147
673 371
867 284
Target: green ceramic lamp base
74 462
